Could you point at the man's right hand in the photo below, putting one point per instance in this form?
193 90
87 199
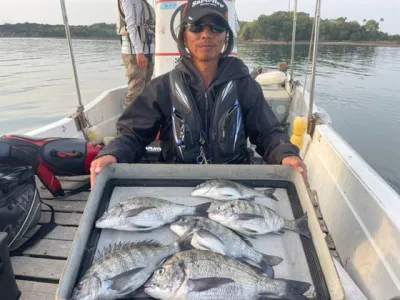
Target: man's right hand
141 60
98 165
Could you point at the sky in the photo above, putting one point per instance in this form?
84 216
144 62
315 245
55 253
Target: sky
86 12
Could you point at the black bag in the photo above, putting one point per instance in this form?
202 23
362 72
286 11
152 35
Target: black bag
8 286
20 205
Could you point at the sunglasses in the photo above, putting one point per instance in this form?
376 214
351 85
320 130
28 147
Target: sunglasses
199 27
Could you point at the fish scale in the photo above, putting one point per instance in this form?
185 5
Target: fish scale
118 265
210 235
198 275
251 218
222 189
146 213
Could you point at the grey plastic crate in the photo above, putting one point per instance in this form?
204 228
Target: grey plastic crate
174 183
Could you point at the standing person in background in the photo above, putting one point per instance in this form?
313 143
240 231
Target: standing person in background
136 27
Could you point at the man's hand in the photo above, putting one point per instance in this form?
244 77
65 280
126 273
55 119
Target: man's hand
298 164
141 60
98 165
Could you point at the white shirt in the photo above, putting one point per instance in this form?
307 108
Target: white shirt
133 18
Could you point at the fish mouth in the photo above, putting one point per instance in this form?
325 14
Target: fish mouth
215 216
194 193
100 223
148 286
103 222
174 228
199 192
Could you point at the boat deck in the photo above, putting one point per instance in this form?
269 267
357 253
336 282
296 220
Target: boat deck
39 267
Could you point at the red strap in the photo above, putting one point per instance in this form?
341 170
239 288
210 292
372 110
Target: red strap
49 180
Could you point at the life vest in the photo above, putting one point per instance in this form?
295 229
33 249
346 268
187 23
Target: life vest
146 30
225 141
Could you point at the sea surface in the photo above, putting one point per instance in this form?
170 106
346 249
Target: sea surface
357 85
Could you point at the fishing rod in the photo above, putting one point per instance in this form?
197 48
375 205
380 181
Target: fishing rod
293 38
80 118
314 65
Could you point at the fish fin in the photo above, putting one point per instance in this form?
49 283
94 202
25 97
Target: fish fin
152 243
249 232
246 240
121 246
207 235
134 212
302 226
122 281
272 260
207 283
252 198
294 289
248 235
268 297
142 227
185 242
245 217
279 232
136 294
270 193
267 268
228 191
201 209
295 297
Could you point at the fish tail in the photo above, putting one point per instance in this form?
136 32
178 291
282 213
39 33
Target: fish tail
267 268
287 289
270 193
272 260
294 289
201 209
302 226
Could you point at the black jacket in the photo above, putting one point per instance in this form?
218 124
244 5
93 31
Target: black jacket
151 111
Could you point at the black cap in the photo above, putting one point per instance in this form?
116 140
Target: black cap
196 9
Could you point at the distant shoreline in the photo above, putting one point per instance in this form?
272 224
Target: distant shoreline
327 43
259 42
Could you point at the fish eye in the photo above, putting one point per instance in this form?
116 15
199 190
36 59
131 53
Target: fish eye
160 271
232 205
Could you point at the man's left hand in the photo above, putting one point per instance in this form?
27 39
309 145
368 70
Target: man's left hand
298 164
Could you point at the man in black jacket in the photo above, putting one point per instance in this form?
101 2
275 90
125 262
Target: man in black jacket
205 108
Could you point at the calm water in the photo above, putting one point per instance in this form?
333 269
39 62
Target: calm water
357 86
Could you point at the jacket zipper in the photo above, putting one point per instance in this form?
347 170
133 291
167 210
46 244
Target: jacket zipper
208 131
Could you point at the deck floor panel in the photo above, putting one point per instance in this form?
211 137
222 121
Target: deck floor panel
65 206
37 269
62 233
82 196
49 248
31 290
65 219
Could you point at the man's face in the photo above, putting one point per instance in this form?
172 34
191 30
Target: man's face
204 43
